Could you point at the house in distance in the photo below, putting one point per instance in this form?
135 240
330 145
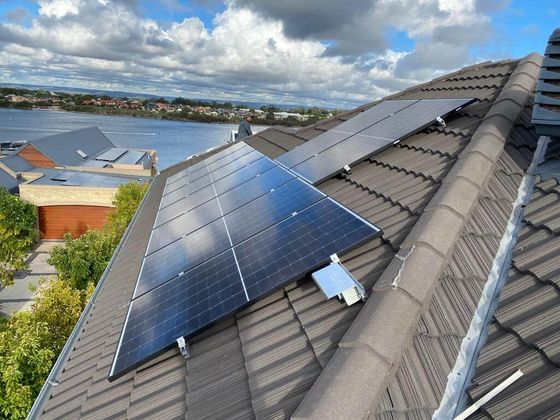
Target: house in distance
72 178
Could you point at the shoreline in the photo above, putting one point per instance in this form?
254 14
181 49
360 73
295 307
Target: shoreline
148 115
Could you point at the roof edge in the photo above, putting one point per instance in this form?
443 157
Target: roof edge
370 352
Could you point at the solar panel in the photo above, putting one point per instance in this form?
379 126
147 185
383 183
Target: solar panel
182 255
373 139
62 176
112 154
131 157
180 307
190 277
183 225
342 131
270 209
254 188
300 244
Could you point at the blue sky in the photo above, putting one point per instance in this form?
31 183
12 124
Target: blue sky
316 52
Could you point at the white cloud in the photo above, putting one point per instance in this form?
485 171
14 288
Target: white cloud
106 43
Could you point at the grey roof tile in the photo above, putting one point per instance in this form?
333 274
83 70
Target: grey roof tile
262 362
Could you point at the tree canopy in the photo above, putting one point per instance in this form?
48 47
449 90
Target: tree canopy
18 232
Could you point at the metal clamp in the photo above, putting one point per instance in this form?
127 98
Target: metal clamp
440 121
184 347
347 169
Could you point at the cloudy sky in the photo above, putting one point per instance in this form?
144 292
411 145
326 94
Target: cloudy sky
310 52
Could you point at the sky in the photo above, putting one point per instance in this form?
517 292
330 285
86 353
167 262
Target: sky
328 53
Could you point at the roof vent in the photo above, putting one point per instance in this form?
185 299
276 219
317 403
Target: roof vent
546 112
82 154
336 280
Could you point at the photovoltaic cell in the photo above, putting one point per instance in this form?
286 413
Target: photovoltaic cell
183 225
184 204
287 251
231 157
182 255
270 209
225 152
254 188
235 165
181 307
244 174
343 131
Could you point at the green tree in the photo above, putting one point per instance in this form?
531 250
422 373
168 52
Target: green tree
18 232
81 261
126 202
30 342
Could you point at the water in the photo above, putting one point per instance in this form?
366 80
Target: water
173 140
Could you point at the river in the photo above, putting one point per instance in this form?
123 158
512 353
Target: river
173 140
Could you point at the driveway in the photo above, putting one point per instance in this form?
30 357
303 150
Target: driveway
18 296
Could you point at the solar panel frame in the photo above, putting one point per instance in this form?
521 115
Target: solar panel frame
131 157
366 143
112 154
343 131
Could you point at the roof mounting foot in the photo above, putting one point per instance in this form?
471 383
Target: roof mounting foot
347 169
184 347
336 280
440 121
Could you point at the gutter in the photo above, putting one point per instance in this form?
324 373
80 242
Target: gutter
44 394
369 354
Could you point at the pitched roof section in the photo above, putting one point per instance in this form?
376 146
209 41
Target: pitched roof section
7 181
62 148
373 346
525 329
263 361
16 163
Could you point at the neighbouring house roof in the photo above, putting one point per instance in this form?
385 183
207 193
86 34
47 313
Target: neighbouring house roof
57 177
62 148
16 163
7 181
442 197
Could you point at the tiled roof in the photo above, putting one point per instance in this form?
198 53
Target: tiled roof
263 361
7 180
525 329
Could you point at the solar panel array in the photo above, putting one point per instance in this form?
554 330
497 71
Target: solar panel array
112 154
364 135
87 179
230 229
131 157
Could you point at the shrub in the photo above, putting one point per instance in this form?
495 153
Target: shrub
18 232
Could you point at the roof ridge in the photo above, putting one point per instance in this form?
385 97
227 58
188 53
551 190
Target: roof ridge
374 343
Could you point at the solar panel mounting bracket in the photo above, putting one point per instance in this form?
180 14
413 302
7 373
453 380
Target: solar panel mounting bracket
184 347
347 169
336 280
440 121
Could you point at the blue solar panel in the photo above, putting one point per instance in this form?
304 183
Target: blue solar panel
375 138
183 225
112 154
287 251
244 174
231 157
182 255
270 209
235 165
254 188
265 224
342 131
225 152
181 307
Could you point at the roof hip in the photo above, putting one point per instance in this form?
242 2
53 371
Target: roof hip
369 354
